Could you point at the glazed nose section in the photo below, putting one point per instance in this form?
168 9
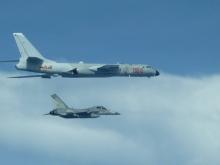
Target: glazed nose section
157 73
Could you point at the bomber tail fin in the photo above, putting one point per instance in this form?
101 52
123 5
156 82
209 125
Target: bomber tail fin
26 49
59 103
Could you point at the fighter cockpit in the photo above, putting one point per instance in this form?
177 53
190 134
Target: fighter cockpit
101 108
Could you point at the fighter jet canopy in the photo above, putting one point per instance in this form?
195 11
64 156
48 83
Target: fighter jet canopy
101 107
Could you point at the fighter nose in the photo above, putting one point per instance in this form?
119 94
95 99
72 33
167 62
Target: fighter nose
157 73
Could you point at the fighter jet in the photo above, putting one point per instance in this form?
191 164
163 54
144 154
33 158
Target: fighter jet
62 110
33 61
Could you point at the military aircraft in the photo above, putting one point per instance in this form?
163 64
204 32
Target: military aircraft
62 110
33 61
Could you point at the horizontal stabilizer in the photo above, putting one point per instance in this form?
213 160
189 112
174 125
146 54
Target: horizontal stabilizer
9 61
34 60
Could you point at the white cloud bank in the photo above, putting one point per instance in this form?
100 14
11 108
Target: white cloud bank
165 120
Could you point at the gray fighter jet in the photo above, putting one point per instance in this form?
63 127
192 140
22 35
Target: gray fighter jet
32 60
62 110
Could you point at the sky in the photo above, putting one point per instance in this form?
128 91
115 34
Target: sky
180 37
170 119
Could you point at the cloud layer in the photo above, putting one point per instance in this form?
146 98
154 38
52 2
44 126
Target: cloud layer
165 120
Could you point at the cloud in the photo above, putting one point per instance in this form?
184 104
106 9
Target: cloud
166 120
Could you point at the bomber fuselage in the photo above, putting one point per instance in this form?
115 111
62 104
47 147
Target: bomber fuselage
89 70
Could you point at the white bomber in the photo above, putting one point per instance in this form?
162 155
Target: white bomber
32 60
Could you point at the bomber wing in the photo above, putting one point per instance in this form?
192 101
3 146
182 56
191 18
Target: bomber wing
31 76
105 69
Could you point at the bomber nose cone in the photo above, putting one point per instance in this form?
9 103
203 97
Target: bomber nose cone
157 73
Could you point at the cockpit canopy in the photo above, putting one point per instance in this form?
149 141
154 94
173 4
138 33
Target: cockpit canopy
101 107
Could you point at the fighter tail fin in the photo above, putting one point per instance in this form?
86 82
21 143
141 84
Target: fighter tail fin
26 49
59 103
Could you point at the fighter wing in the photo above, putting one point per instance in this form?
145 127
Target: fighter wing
85 111
106 69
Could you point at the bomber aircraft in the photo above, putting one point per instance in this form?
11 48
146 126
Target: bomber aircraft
62 110
33 61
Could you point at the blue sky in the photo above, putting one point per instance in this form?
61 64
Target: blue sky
170 119
180 37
